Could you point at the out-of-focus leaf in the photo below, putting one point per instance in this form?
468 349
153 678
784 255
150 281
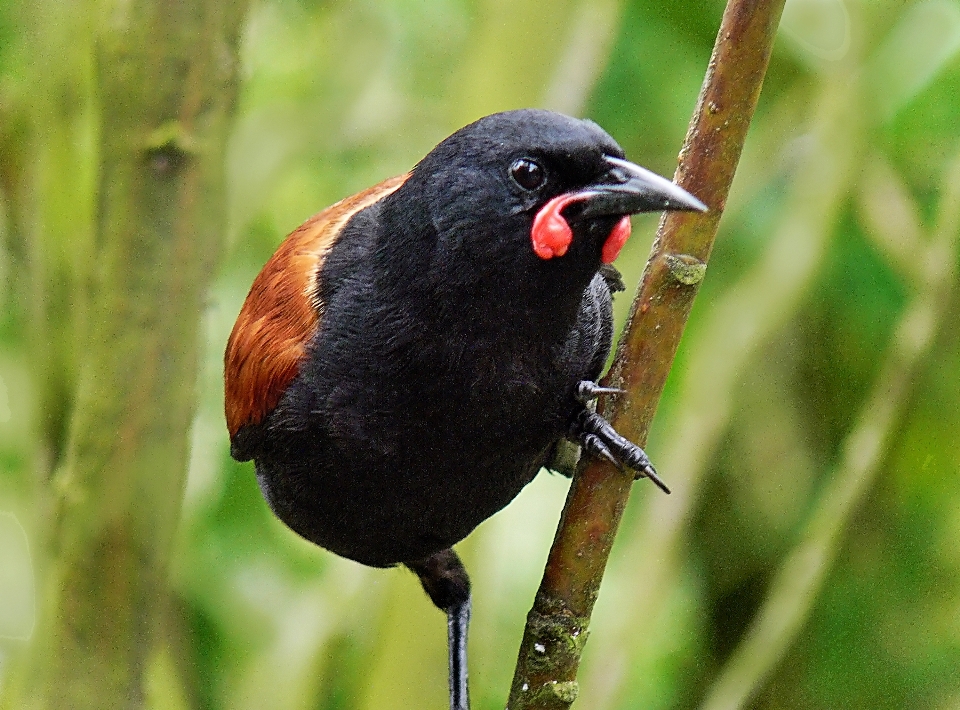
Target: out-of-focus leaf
820 28
17 584
890 216
922 43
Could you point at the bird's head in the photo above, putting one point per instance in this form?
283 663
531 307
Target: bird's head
535 187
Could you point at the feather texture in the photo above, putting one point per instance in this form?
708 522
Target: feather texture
282 312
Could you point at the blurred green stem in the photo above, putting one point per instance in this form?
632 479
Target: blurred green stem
165 77
57 197
557 625
592 32
796 584
13 165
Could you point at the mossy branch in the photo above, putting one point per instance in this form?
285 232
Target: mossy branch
556 628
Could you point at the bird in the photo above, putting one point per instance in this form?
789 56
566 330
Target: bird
412 356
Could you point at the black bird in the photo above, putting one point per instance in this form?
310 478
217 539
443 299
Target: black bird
412 356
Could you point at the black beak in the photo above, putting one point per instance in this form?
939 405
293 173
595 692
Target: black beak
629 189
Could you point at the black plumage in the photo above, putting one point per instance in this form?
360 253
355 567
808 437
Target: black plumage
446 359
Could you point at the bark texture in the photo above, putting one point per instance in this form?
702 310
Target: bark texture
557 624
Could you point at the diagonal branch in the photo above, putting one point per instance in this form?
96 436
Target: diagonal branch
556 626
739 322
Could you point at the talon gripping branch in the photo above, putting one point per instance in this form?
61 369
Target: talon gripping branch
410 357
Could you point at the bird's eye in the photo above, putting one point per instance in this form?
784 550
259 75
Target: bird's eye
527 174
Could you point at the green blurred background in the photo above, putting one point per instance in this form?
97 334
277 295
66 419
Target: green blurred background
810 554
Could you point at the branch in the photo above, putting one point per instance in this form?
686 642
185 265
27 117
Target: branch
737 325
557 625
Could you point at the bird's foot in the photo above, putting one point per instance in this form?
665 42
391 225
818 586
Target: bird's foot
597 436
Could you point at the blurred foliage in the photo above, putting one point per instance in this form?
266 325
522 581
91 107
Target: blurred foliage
827 245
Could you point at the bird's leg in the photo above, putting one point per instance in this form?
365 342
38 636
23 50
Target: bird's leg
446 582
597 436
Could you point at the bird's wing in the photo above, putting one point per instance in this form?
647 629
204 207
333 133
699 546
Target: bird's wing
589 346
282 312
596 318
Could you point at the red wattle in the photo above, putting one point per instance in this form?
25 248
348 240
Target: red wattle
551 235
614 243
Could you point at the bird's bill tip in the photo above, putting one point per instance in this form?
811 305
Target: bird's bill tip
631 189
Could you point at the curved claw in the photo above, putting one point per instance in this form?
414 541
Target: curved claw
592 444
651 473
594 432
587 391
